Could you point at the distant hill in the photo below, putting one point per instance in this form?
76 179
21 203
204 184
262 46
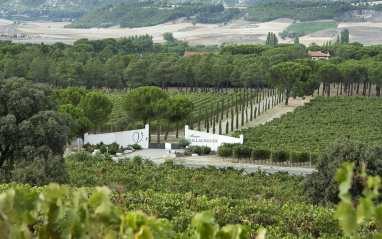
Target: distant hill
133 13
142 14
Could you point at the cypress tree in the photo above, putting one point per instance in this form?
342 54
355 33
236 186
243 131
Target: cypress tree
222 113
191 122
255 113
158 132
220 127
226 113
246 115
242 118
258 110
251 116
237 120
213 126
149 131
199 121
217 110
226 127
177 130
208 124
236 109
231 120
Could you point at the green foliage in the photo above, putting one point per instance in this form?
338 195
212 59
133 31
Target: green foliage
77 114
242 152
103 149
302 11
30 126
136 146
40 171
349 216
321 188
70 95
271 39
148 13
138 104
260 154
183 142
97 108
325 119
293 78
345 36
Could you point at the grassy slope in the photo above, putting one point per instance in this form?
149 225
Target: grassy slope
310 27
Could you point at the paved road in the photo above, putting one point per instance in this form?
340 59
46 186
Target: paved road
157 156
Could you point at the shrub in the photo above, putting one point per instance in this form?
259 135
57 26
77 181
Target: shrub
206 150
183 142
137 159
98 146
299 157
320 186
224 151
195 149
136 146
80 156
103 149
280 156
40 171
242 151
113 148
261 154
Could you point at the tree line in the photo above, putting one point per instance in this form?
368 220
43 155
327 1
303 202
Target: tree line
130 63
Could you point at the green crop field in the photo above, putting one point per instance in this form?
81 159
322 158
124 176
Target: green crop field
312 127
310 27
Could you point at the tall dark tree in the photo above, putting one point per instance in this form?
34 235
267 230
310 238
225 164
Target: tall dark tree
31 128
345 36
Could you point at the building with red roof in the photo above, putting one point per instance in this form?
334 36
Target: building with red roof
318 55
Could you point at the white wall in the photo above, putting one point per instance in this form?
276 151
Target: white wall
124 138
208 139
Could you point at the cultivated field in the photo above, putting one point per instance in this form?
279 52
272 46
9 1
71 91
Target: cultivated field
238 31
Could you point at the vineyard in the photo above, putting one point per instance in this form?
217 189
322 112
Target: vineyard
209 105
309 129
172 192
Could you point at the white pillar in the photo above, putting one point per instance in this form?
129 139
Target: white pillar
241 139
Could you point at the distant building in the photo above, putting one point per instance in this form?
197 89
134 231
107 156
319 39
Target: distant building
318 55
189 53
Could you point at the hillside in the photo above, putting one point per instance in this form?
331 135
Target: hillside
61 10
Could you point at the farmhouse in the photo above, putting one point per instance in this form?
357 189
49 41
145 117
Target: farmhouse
318 55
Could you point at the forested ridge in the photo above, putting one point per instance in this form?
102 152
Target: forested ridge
129 13
148 13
